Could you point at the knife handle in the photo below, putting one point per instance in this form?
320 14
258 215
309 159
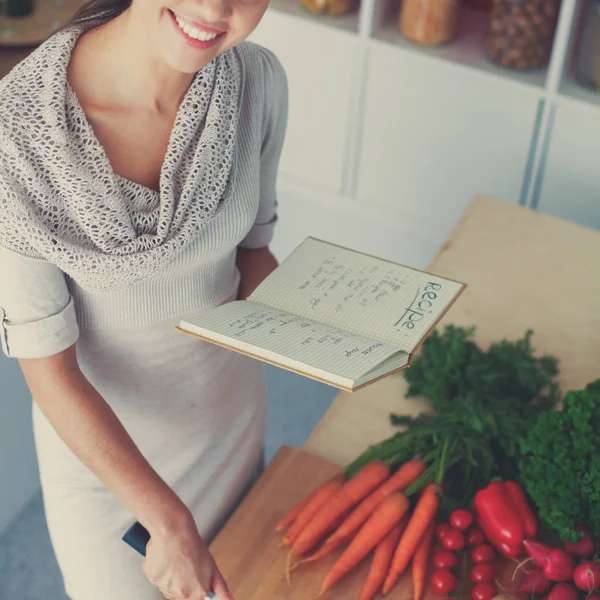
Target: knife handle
137 537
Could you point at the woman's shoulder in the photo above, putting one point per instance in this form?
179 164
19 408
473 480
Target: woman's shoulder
31 89
261 64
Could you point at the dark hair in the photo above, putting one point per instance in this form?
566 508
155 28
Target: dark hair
103 10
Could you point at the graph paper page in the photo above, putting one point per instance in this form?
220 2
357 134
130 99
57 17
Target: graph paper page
361 294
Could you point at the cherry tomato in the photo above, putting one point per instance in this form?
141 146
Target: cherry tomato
483 591
445 560
475 537
461 519
453 540
443 582
441 530
484 553
482 572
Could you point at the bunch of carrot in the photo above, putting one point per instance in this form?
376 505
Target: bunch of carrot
368 513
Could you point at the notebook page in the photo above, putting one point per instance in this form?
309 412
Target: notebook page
245 325
361 294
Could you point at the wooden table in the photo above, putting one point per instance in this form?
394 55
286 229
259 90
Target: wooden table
524 270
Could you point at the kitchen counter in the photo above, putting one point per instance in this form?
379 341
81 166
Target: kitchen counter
524 270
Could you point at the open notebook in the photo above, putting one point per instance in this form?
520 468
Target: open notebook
333 314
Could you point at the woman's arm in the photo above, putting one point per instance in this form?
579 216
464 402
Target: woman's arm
87 424
254 266
177 559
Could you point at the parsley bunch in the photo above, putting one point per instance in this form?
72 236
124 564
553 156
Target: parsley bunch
560 464
484 403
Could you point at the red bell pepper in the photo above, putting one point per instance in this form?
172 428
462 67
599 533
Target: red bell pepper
530 521
505 517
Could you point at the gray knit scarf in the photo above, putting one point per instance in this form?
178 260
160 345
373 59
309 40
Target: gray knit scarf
61 201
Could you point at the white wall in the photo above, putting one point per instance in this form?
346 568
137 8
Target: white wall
19 478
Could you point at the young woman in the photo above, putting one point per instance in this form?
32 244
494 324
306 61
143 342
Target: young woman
138 153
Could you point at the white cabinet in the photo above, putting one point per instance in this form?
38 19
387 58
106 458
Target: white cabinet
320 65
571 184
435 136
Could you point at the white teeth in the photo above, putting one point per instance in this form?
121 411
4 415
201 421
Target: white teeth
197 34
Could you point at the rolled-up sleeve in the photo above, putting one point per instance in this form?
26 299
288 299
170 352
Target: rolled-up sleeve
274 130
36 309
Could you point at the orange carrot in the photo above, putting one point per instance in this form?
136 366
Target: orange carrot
352 492
387 515
424 513
381 561
326 549
405 476
317 501
420 562
292 515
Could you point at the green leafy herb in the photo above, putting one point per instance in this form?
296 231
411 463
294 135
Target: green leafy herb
560 466
485 402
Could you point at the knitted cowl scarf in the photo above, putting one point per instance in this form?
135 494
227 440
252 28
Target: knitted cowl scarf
60 199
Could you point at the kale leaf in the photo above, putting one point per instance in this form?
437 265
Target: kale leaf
560 464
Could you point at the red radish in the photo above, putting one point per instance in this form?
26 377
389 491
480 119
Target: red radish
592 597
563 591
560 566
535 582
441 530
584 548
556 563
483 591
538 552
475 537
461 519
445 560
484 572
483 554
443 582
587 576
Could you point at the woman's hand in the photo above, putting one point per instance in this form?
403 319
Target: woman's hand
181 566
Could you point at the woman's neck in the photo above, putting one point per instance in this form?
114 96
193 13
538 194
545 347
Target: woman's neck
123 69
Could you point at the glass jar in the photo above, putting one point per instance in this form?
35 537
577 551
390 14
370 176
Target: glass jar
333 8
520 32
429 22
587 65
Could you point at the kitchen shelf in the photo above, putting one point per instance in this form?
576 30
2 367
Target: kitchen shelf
347 22
466 49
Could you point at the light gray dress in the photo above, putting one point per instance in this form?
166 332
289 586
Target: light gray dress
196 411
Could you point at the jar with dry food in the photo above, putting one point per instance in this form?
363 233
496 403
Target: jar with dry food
429 22
587 66
333 8
520 32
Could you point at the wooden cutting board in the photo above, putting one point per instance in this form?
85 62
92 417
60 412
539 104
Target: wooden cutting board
247 548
